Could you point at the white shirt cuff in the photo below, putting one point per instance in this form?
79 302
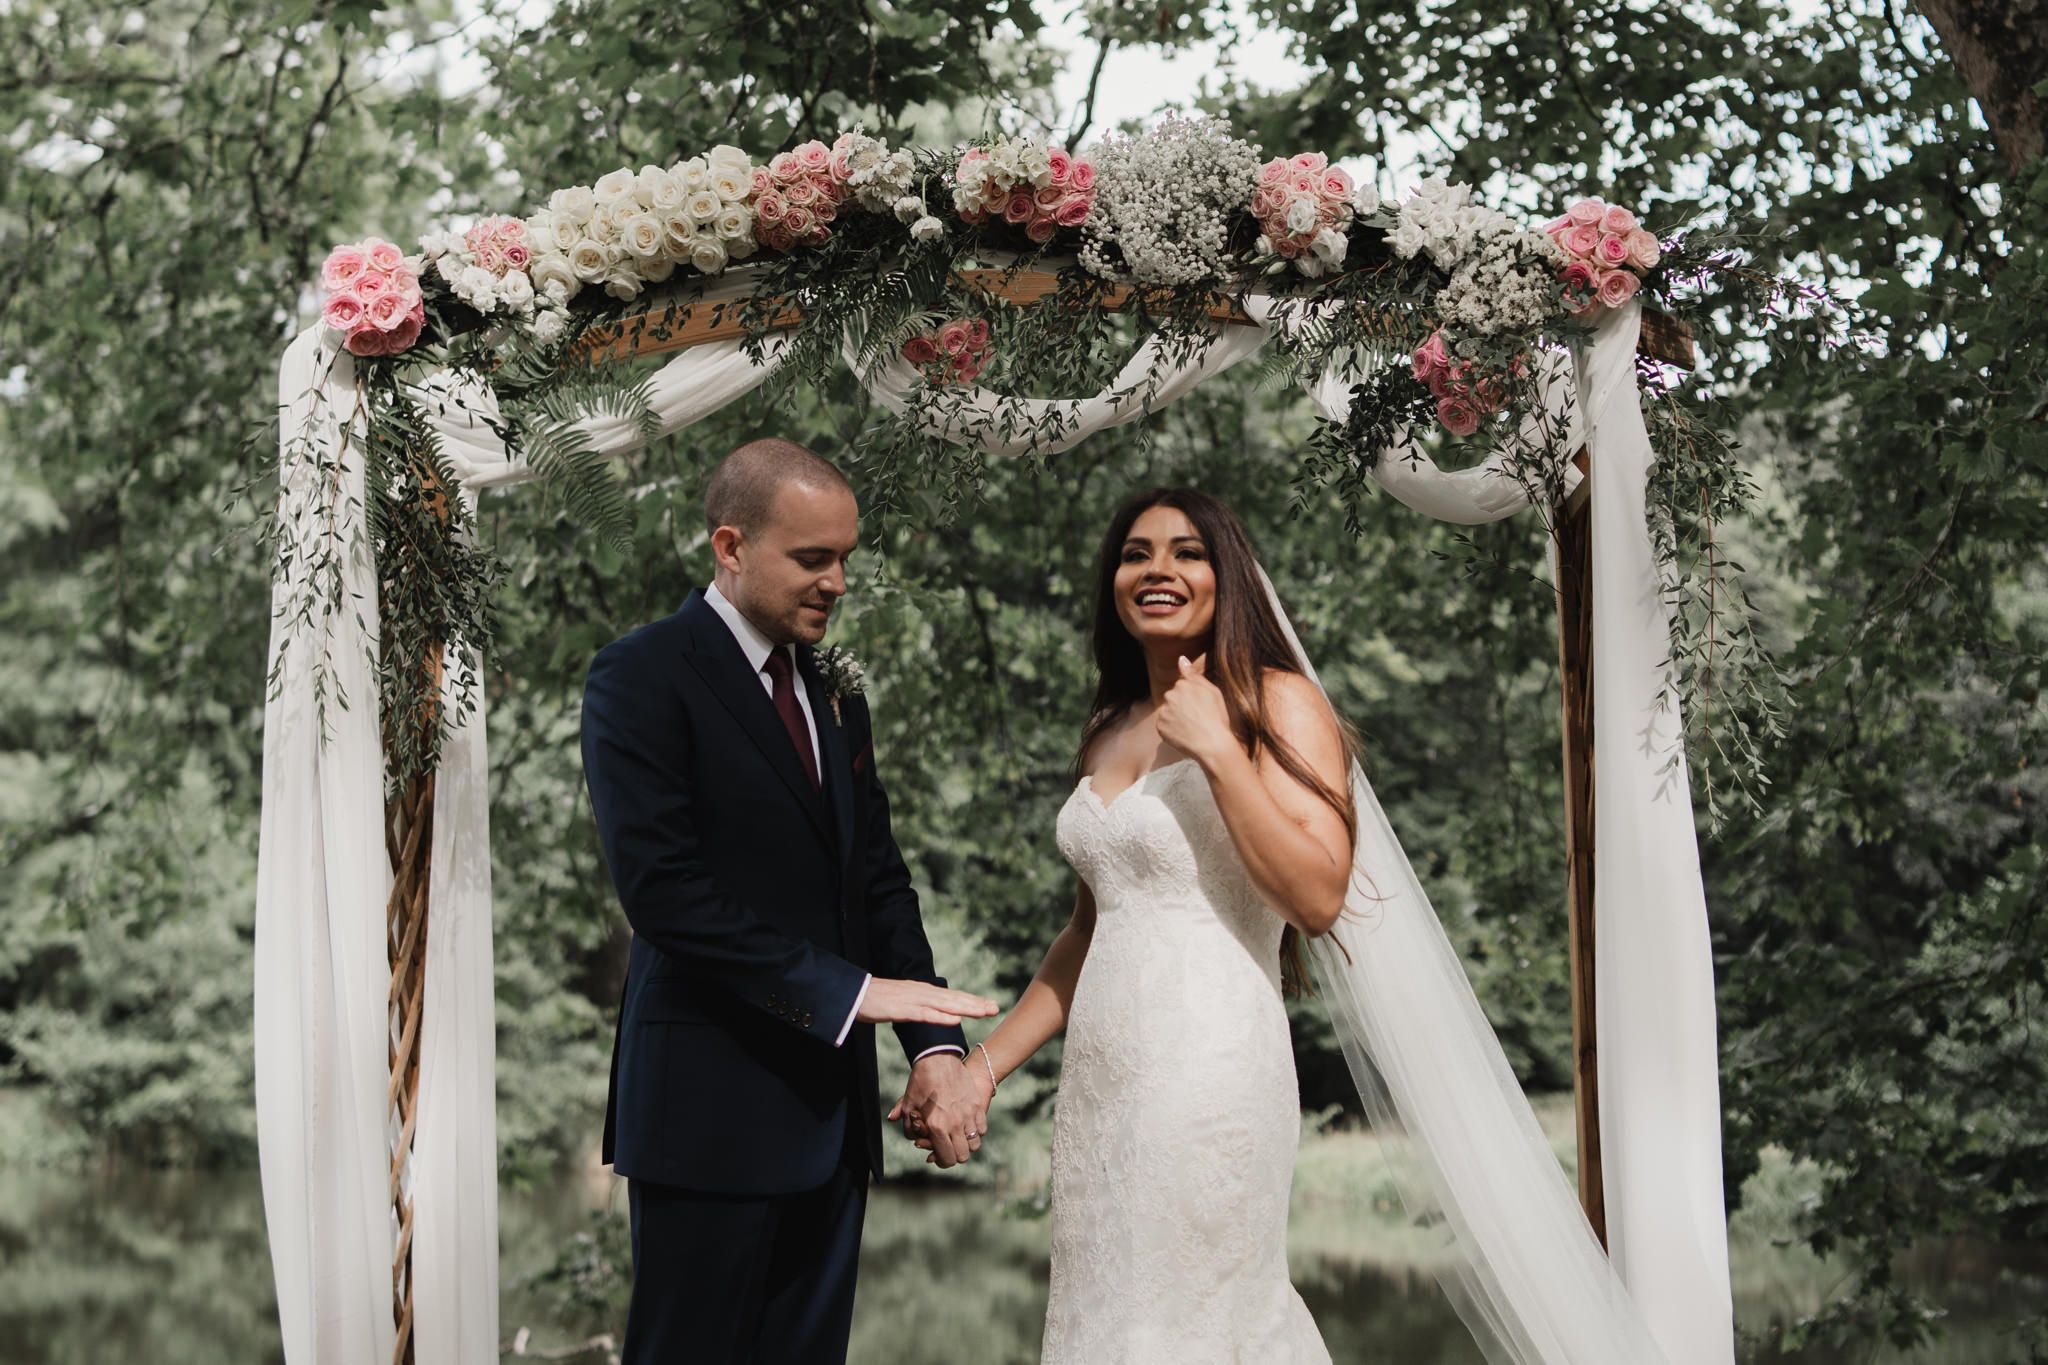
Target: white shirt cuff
854 1013
956 1050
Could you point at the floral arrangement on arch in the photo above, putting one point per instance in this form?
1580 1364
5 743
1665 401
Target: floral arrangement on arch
1186 206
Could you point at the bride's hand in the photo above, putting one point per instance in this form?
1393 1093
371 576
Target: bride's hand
1192 716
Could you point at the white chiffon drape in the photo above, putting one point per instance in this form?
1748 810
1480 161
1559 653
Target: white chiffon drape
321 974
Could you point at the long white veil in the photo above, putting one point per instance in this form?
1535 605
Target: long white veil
1527 1274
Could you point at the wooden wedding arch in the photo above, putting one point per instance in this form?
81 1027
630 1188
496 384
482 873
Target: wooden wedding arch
673 321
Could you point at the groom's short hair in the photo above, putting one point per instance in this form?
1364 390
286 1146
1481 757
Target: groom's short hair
744 485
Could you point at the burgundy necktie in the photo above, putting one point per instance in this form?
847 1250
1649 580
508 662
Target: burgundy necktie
792 716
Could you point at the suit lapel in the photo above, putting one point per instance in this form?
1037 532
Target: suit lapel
722 664
838 771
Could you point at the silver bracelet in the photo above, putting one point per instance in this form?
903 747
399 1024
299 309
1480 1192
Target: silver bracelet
990 1065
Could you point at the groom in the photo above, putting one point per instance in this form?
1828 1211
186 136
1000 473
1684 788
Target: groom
774 925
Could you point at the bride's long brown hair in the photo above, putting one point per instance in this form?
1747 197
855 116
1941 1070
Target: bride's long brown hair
1245 643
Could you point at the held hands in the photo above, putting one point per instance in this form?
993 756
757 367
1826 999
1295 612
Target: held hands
1192 716
944 1109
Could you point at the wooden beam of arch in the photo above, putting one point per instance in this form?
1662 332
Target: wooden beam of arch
677 322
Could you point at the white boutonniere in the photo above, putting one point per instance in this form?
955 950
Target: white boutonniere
842 675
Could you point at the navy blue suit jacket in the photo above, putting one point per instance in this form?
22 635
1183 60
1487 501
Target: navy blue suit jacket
758 905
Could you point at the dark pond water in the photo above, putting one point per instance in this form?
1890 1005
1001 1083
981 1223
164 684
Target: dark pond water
171 1269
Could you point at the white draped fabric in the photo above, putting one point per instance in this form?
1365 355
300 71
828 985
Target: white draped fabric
322 977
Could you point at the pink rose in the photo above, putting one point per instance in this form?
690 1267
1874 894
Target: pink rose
1042 228
1458 415
1491 393
369 285
365 339
919 350
387 311
779 237
953 337
978 334
401 337
1302 182
814 156
344 263
1062 166
1430 357
759 182
1020 207
1580 283
965 369
383 256
783 165
1275 172
1049 196
1643 252
491 257
1289 247
342 312
801 193
1618 288
518 256
798 221
1312 162
1586 212
841 171
1083 177
1613 251
1072 211
1337 185
1582 240
1558 224
1618 221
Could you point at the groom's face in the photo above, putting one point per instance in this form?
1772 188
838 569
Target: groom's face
787 576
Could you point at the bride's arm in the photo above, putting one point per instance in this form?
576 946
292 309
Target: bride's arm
1041 1012
1292 842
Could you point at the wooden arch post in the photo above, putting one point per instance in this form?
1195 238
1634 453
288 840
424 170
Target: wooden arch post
676 323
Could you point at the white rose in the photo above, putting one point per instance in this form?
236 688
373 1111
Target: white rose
1263 247
550 271
1309 266
1329 246
668 194
565 233
735 223
559 294
909 209
731 185
1301 215
1366 200
643 235
590 261
615 185
708 255
681 235
622 284
725 154
703 205
574 204
657 270
516 290
603 226
1407 239
693 177
927 229
540 232
647 184
478 285
548 326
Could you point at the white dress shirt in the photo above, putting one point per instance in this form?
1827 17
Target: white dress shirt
757 647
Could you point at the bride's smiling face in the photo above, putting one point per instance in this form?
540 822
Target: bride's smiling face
1165 584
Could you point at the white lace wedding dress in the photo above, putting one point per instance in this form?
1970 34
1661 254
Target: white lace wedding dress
1178 1114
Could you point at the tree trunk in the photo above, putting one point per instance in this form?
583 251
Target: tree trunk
2000 48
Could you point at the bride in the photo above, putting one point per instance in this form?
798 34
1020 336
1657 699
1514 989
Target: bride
1221 824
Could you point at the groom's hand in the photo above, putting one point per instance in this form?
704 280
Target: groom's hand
943 1101
919 1002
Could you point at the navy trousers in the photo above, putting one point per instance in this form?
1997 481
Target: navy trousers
745 1280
